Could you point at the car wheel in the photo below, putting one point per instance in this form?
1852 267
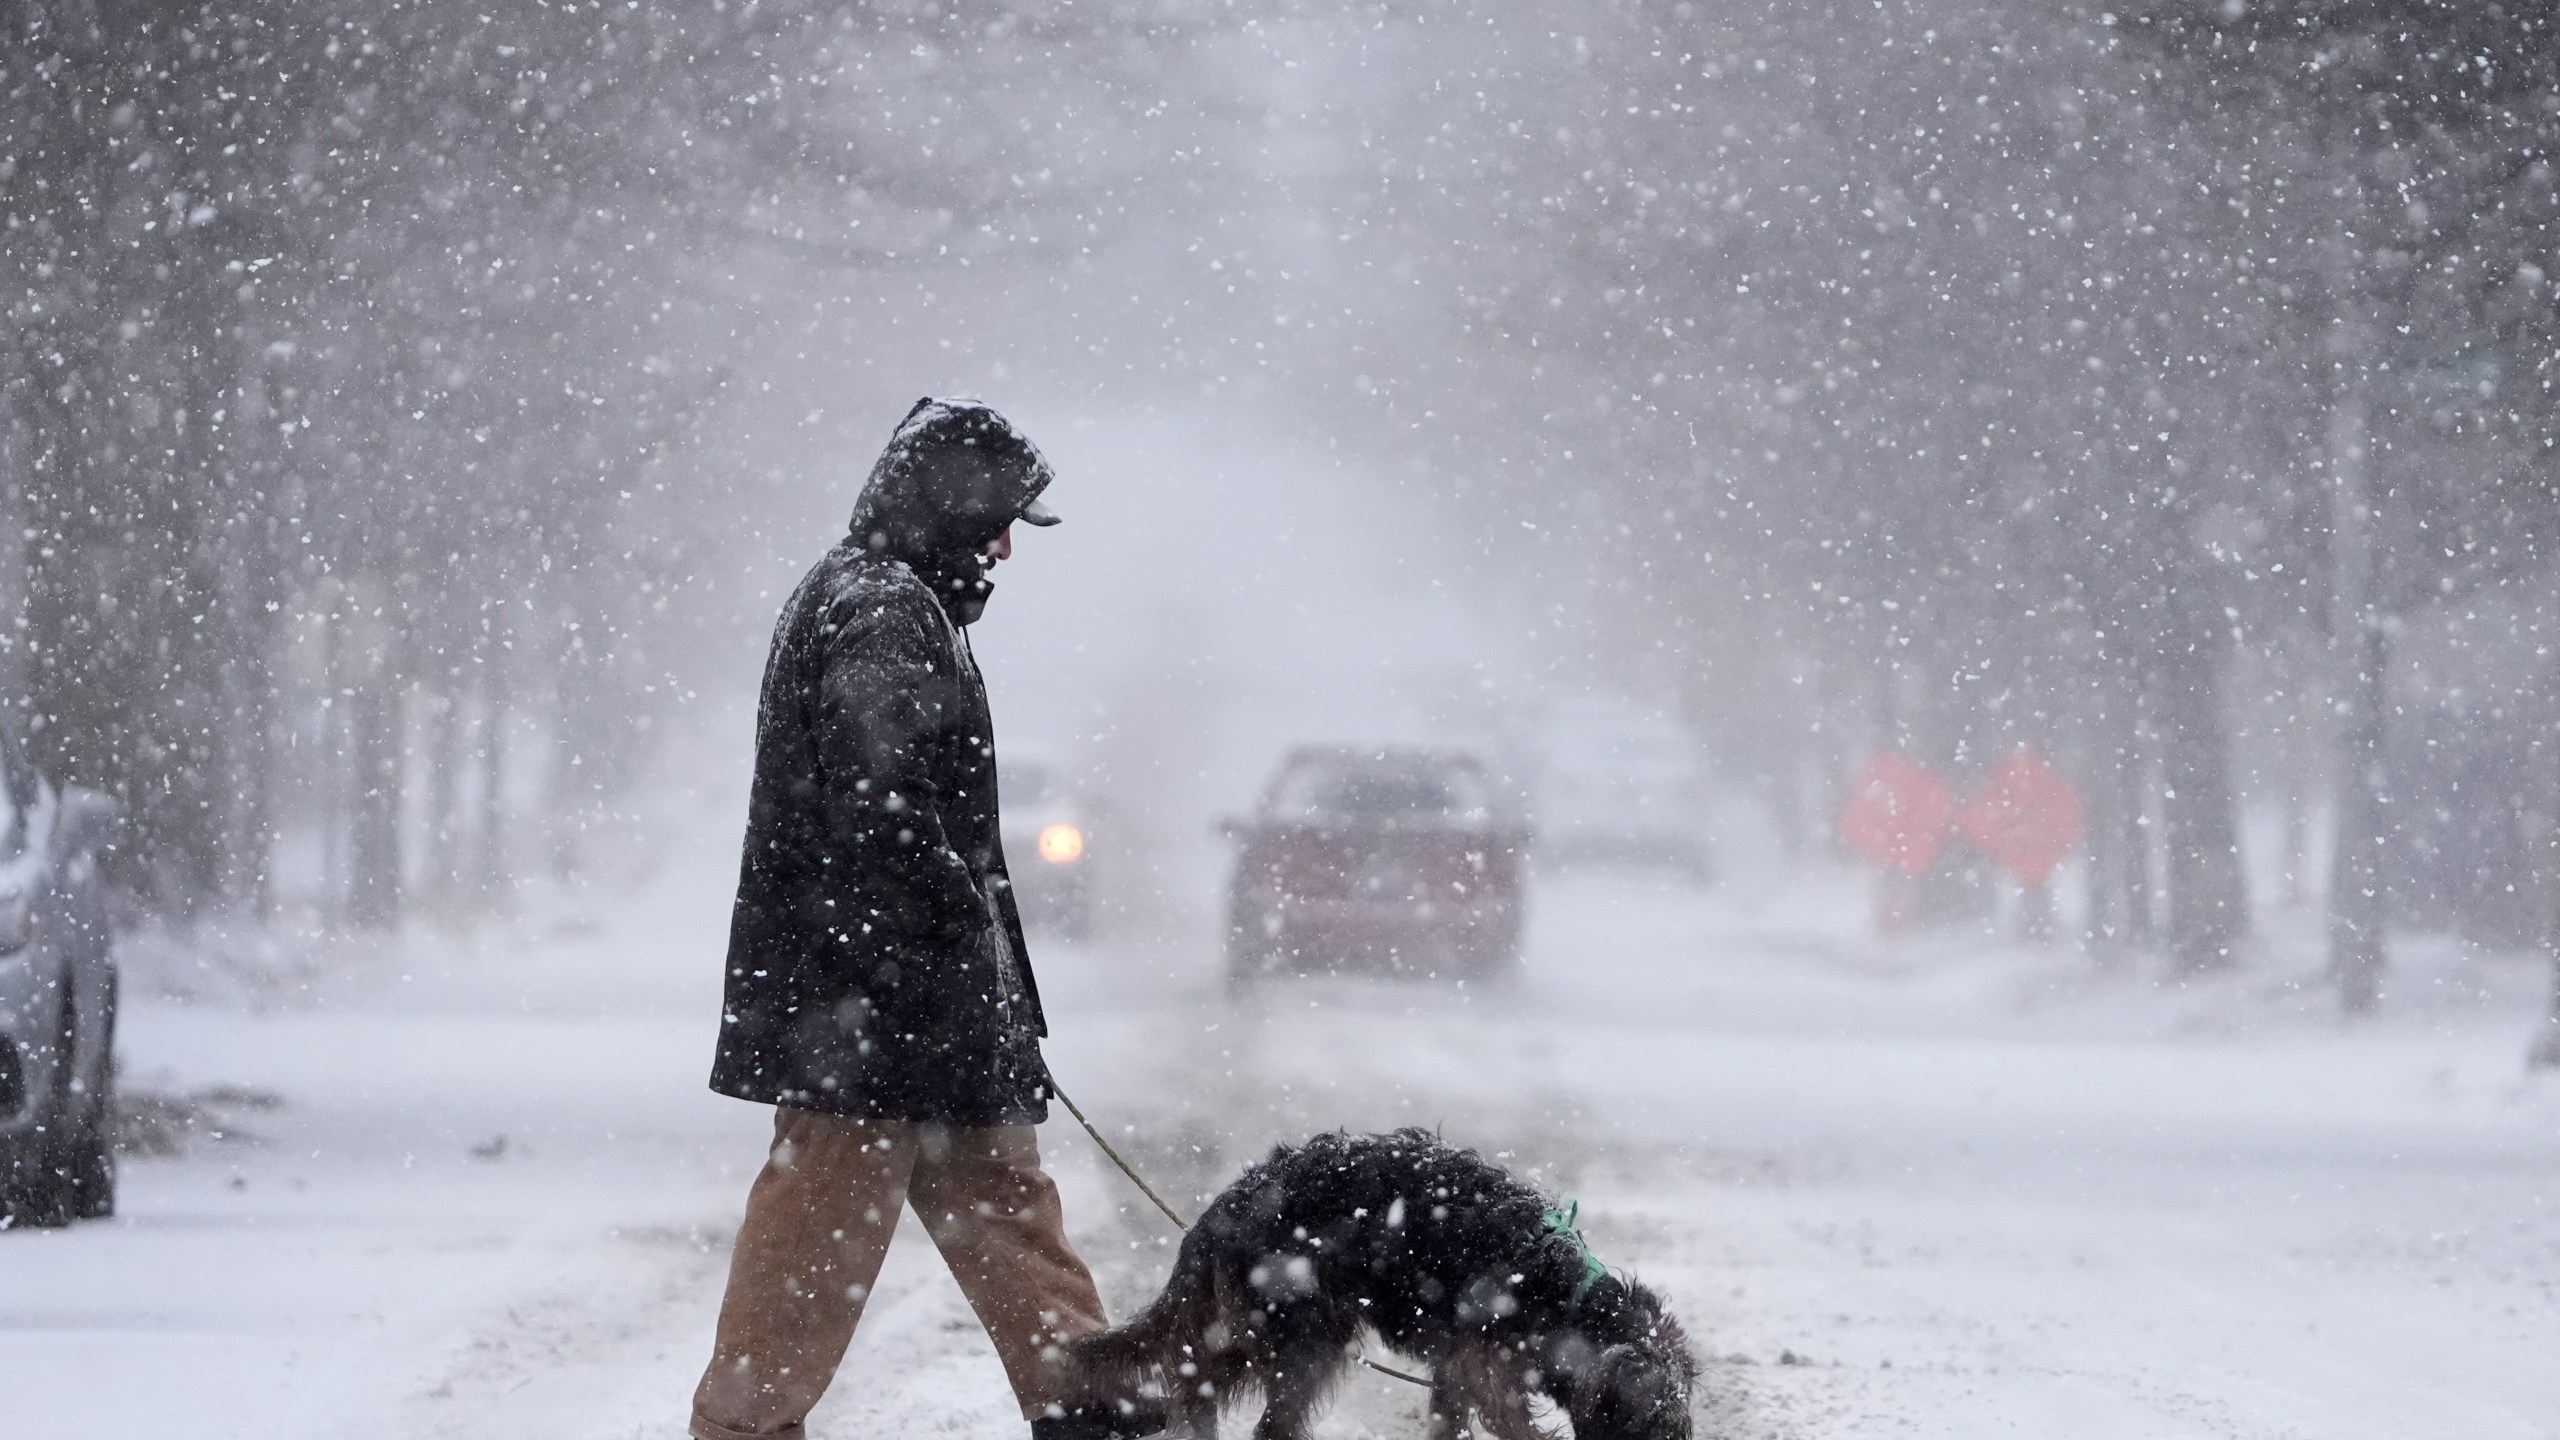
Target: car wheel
36 1188
32 1193
89 1174
91 1163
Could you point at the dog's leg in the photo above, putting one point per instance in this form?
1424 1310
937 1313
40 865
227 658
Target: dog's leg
1191 1418
1193 1401
1189 1415
1300 1375
1484 1389
1502 1406
1448 1404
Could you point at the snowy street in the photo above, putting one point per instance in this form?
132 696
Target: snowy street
1943 1191
1949 608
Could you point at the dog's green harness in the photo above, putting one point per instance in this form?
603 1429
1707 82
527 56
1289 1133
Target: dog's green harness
1561 1222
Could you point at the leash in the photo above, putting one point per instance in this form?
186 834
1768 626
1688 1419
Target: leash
1134 1177
1178 1222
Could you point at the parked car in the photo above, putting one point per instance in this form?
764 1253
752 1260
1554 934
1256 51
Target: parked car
1051 833
1401 860
57 998
1621 786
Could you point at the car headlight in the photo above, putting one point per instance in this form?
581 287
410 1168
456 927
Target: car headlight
1061 844
17 920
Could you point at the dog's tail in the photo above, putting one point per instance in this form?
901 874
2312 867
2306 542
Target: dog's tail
1173 1324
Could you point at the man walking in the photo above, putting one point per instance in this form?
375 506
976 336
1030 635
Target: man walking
878 991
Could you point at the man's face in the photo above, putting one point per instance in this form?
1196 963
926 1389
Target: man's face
1000 548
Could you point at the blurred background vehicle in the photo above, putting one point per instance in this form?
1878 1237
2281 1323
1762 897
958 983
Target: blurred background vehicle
1050 828
1398 859
1618 784
57 998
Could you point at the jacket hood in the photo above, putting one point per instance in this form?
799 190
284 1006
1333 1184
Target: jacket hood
954 475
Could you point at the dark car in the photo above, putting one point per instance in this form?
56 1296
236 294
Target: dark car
1401 860
57 998
1051 835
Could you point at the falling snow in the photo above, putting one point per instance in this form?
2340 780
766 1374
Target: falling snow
1985 570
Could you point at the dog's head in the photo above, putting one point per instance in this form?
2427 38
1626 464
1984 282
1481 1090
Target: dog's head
1631 1375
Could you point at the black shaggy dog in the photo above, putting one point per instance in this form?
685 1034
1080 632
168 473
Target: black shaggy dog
1438 1251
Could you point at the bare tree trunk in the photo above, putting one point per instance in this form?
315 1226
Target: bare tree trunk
2358 906
184 694
571 784
2208 892
489 850
2104 918
253 846
2116 839
2132 782
2296 823
2544 1052
247 679
444 722
14 672
374 860
333 760
2296 674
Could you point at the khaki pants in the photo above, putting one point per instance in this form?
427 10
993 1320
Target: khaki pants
818 1225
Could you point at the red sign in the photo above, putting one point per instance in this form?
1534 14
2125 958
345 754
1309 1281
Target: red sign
1899 815
2026 817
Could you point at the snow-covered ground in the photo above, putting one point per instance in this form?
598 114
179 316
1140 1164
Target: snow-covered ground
1946 1189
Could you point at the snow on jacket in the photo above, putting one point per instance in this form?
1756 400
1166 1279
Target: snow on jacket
876 960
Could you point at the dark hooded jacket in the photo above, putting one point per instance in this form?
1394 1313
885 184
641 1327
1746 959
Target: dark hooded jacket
876 961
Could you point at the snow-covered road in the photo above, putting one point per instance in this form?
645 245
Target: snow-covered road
1945 1190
